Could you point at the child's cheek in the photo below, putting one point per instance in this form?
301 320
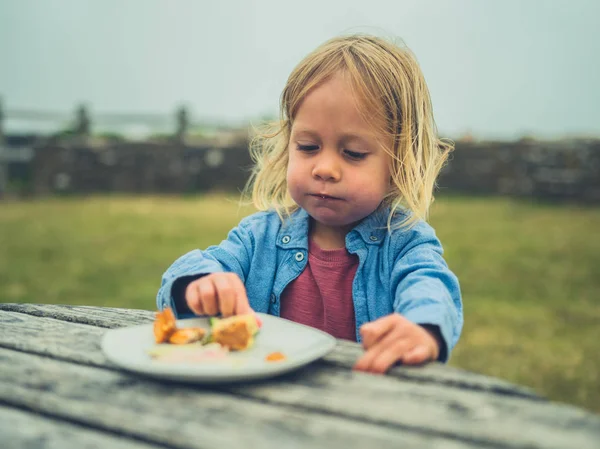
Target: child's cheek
294 186
369 191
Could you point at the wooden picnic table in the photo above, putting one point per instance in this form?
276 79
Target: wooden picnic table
57 390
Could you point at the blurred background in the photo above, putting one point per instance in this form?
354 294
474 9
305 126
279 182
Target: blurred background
123 144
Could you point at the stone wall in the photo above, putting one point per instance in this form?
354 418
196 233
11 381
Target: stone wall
139 168
552 170
557 170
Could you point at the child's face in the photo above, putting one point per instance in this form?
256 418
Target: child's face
337 170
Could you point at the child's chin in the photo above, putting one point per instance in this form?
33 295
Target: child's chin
330 219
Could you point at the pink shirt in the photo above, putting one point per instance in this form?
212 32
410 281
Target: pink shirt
321 296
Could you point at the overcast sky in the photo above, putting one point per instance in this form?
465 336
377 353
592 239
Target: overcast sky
497 69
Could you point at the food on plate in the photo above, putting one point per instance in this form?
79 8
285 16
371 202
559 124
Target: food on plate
235 332
187 335
194 352
195 344
275 357
164 325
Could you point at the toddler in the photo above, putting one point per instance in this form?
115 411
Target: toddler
343 182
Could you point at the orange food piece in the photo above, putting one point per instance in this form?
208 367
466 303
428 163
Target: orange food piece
235 335
187 335
235 332
164 325
275 357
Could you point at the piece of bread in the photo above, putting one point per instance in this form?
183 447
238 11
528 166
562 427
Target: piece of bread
235 332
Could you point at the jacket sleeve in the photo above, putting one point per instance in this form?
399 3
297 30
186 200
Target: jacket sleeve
426 291
232 255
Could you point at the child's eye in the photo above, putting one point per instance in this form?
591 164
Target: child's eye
308 147
355 155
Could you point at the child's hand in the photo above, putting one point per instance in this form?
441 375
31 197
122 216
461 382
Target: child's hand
217 293
392 339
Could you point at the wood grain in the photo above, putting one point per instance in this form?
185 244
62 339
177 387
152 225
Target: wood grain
484 417
106 317
21 429
177 416
345 354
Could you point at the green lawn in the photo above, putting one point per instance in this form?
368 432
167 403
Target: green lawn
530 273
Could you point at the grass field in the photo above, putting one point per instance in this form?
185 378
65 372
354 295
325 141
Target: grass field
530 274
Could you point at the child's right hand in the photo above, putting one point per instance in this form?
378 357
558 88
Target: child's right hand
216 293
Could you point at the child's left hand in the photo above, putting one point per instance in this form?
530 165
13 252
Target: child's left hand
392 339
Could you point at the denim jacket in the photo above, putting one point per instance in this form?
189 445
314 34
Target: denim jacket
402 271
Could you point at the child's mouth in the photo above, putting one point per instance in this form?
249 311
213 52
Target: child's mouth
324 197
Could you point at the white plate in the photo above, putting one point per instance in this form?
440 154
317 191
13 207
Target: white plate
127 348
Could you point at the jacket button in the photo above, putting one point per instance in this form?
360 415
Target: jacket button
273 298
286 239
299 256
373 238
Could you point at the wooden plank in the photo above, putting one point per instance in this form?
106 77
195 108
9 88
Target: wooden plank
21 429
345 355
182 417
79 343
423 407
106 317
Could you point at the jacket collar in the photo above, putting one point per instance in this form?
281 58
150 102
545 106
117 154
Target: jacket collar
293 233
373 229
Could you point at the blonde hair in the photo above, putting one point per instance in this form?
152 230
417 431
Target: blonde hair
389 82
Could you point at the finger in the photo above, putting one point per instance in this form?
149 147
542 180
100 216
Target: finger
242 305
226 294
209 298
371 362
192 298
366 361
389 356
208 293
227 306
374 331
417 355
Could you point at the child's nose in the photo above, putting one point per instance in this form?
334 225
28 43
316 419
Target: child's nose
327 168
